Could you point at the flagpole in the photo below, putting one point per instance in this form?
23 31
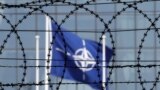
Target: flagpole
37 61
104 62
46 53
48 39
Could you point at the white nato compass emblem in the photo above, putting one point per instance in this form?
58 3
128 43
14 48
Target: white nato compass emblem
82 58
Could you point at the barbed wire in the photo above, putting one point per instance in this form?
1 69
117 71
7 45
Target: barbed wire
82 31
116 66
35 6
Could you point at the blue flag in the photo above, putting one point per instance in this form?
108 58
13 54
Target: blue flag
77 58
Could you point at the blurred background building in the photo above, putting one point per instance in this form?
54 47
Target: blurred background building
128 29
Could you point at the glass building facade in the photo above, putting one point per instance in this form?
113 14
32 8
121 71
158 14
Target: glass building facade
128 30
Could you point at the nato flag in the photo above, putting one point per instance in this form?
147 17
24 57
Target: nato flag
75 58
